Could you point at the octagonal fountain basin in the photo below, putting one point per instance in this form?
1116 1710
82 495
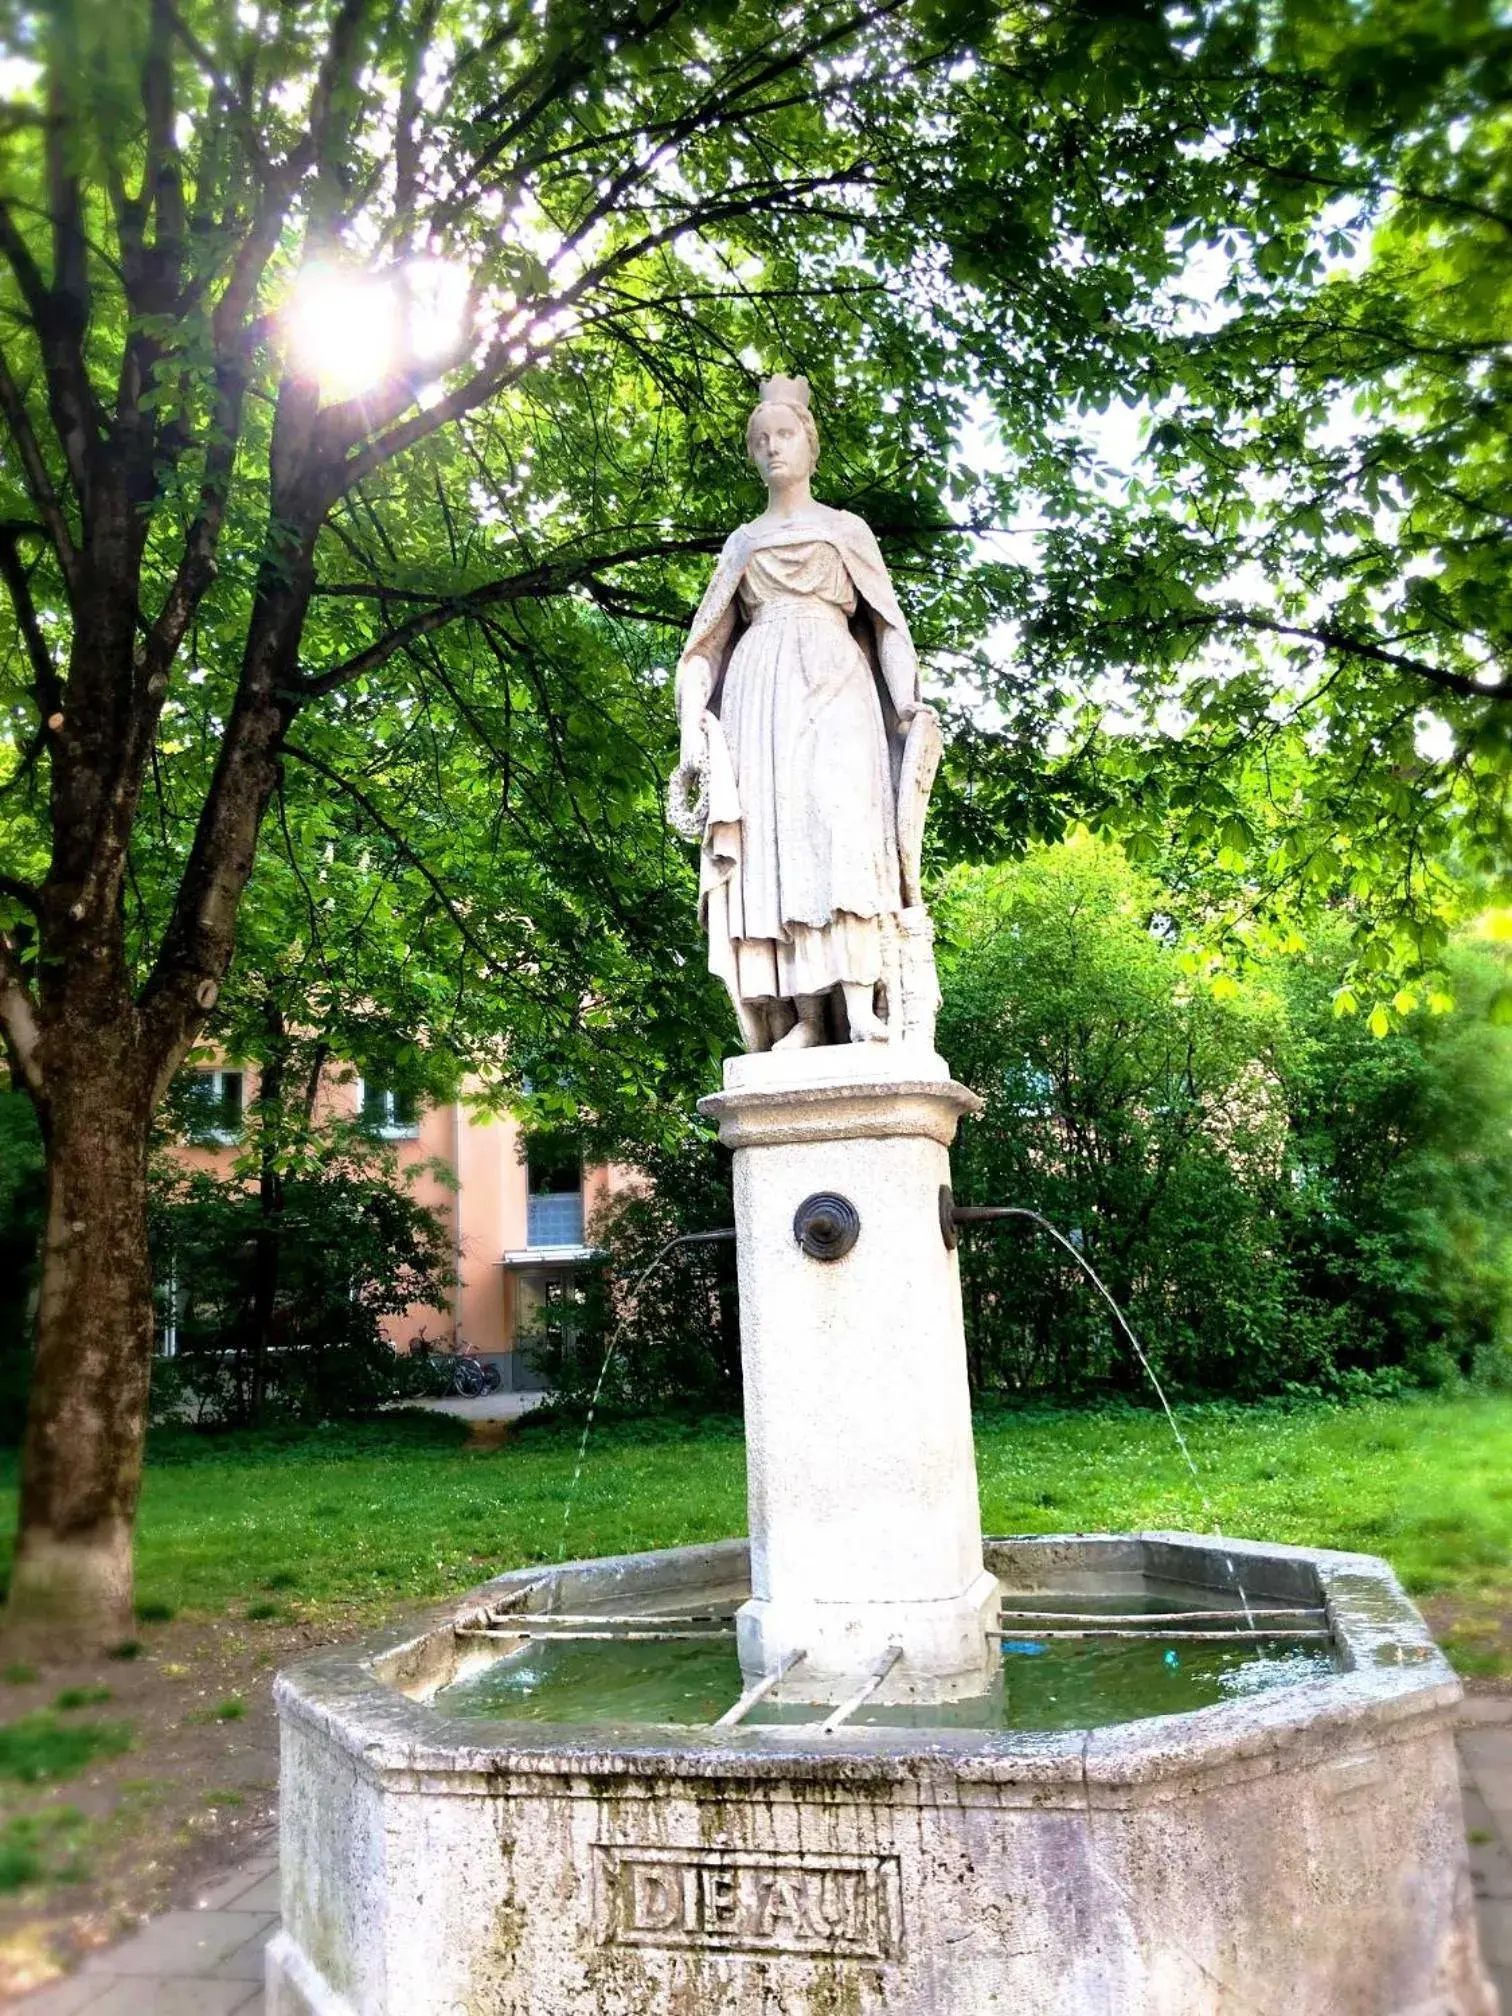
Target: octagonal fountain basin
1246 1801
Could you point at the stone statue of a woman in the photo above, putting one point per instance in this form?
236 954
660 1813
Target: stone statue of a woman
806 764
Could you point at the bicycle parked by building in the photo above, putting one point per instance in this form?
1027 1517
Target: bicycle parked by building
456 1374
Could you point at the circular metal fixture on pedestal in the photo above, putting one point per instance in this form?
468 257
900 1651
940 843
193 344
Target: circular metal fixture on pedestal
948 1229
826 1225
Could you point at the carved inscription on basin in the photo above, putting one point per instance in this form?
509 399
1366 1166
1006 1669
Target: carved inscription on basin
735 1900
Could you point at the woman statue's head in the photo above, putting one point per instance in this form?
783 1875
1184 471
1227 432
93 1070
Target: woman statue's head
781 438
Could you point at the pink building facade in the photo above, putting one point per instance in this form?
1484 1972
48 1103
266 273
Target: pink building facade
519 1230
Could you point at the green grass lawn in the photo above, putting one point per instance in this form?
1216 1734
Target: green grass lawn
358 1520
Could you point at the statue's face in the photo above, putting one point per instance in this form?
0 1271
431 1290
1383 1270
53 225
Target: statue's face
779 445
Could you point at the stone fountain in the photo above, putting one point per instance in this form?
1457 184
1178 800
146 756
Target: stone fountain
874 1819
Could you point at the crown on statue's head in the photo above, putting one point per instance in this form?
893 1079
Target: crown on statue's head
780 391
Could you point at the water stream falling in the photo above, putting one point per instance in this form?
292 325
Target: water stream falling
986 1213
965 1215
682 1239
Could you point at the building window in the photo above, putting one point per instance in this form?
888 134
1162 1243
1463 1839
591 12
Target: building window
214 1104
554 1183
393 1114
166 1300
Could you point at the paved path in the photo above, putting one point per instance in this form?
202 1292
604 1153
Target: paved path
208 1962
1486 1771
205 1962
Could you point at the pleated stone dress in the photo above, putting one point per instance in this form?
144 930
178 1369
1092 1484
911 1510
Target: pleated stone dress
802 720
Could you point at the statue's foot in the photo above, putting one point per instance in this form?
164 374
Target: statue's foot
802 1036
867 1028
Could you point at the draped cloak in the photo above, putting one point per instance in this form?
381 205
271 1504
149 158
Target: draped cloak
811 664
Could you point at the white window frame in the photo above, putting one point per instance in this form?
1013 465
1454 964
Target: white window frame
216 1076
166 1314
389 1129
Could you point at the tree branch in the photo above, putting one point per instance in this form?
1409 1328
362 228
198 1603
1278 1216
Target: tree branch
407 122
233 102
197 944
566 68
58 321
197 565
38 482
330 106
18 256
162 181
1332 638
46 684
513 352
717 107
18 1022
151 274
396 839
61 326
550 578
1404 192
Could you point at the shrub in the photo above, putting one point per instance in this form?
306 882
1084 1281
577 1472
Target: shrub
280 1292
1280 1200
1397 1218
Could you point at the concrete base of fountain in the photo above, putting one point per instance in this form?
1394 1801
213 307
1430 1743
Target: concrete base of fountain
1300 1853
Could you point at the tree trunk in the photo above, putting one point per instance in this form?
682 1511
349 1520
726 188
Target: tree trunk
82 1466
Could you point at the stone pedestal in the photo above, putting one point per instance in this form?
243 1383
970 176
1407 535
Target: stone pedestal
864 1525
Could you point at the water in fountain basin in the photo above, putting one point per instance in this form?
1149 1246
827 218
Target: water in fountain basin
1048 1684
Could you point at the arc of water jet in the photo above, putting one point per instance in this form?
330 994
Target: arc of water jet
682 1239
969 1214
